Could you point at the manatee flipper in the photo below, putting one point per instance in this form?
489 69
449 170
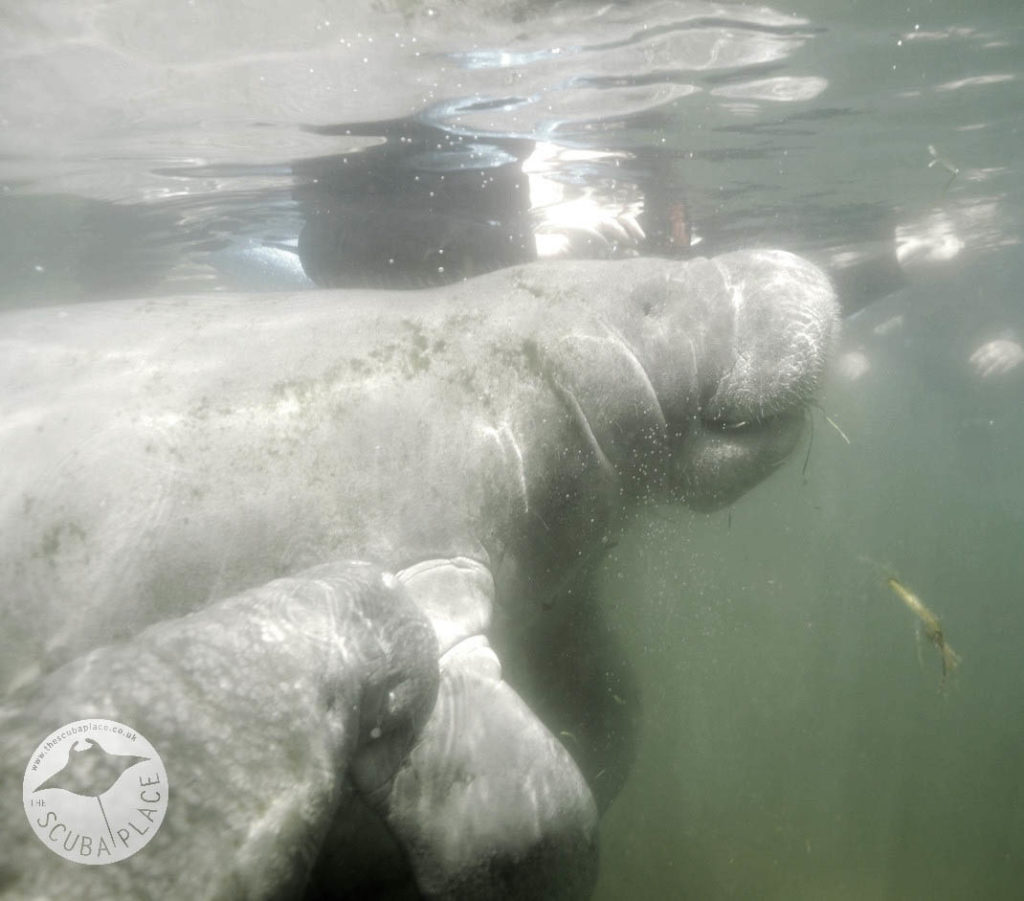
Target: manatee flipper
570 667
488 804
259 705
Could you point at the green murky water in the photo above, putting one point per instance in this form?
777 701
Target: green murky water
796 742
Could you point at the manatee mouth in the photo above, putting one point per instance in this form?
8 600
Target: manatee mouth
720 459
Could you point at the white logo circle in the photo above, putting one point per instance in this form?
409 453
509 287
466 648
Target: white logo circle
95 791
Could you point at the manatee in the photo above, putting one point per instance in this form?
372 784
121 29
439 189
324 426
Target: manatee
332 554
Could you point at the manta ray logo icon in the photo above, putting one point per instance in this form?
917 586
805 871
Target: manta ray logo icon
95 791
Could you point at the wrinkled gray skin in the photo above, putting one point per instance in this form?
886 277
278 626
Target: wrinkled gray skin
190 483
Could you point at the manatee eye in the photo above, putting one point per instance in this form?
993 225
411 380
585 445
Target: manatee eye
717 424
739 427
743 427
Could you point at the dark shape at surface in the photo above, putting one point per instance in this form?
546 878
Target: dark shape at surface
424 207
90 771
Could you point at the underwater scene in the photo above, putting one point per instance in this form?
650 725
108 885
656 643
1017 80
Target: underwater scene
817 686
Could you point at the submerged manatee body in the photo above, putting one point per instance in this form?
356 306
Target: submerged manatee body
279 535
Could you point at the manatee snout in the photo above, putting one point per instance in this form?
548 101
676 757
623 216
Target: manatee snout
400 681
784 323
